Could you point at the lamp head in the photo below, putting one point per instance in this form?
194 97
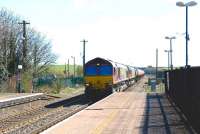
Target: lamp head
167 37
191 3
19 67
173 37
180 4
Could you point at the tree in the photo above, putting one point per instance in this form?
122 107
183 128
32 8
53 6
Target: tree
39 53
38 50
79 70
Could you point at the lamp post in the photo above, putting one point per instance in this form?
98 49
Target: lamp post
168 51
84 41
186 5
170 38
19 67
68 68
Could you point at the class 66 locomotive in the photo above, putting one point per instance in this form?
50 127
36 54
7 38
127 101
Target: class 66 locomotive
103 77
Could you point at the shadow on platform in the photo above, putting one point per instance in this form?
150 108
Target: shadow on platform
162 117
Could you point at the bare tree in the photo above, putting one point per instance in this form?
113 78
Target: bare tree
38 53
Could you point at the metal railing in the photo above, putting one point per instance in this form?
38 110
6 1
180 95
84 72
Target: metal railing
183 87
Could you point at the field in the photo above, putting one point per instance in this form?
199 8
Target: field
60 69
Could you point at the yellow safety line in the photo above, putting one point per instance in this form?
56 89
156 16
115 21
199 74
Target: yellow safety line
108 120
105 122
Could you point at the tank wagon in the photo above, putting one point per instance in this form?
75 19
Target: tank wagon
103 76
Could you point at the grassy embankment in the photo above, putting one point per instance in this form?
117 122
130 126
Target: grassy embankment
59 70
57 85
57 88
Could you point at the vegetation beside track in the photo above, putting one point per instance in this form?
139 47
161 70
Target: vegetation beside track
54 80
60 70
160 88
68 91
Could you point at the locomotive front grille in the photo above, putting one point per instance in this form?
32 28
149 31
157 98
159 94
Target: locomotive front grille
99 82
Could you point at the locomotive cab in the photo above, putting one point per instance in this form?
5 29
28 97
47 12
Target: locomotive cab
98 77
103 76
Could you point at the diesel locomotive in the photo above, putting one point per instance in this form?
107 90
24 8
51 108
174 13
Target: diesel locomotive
103 76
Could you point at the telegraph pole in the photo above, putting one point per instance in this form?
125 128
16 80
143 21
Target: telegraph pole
68 68
65 71
84 41
156 64
170 38
74 66
24 49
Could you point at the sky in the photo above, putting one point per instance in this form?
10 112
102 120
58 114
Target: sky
126 31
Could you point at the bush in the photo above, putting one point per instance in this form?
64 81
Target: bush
26 82
57 86
3 74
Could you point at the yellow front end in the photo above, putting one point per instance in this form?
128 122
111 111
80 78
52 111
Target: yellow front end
98 82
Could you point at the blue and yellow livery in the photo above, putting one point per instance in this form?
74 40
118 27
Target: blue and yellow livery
102 75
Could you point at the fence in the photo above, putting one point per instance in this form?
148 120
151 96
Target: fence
183 87
50 79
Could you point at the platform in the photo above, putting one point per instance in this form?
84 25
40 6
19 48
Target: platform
18 98
133 112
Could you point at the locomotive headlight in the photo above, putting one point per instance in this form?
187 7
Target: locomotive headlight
87 84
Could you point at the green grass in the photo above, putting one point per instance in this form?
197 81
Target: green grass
59 69
159 88
68 91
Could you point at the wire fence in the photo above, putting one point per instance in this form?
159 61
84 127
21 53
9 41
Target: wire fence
66 82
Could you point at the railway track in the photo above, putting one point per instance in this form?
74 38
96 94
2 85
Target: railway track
38 119
23 108
137 86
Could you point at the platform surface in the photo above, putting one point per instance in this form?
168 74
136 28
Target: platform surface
134 112
13 96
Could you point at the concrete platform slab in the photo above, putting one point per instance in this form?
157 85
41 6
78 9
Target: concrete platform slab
10 96
12 99
133 112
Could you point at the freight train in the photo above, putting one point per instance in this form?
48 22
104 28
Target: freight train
103 76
